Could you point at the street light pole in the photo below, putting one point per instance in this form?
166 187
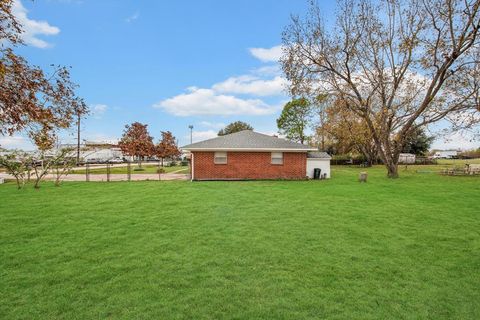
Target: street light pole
191 133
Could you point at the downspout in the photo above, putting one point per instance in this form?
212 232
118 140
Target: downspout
192 167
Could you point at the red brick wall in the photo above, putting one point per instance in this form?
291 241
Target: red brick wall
249 165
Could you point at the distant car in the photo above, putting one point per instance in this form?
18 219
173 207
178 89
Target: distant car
115 160
37 163
445 155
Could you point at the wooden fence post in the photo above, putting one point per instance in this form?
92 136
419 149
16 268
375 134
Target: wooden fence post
108 172
87 172
129 171
159 169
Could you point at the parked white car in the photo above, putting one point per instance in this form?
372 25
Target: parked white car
115 160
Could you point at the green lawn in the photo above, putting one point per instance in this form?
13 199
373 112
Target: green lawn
388 249
457 162
146 168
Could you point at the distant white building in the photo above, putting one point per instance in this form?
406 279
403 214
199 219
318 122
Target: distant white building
406 158
445 154
101 155
92 151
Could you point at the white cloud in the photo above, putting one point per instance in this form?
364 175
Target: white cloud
133 17
270 70
16 142
457 140
207 102
272 54
201 135
213 125
98 110
253 85
222 99
33 28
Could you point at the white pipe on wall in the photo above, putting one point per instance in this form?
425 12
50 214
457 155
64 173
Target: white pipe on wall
193 166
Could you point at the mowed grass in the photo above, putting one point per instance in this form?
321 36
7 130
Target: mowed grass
388 249
457 162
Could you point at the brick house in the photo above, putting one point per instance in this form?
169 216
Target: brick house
247 155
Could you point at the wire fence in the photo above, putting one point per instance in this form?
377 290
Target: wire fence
105 173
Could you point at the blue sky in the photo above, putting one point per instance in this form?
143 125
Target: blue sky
168 64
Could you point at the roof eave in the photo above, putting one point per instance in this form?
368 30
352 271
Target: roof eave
320 158
252 149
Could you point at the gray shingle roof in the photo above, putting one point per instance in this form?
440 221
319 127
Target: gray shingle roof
318 155
248 140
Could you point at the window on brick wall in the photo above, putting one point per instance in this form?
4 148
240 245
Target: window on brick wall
220 158
277 157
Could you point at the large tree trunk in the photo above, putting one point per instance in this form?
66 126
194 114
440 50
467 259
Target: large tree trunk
392 170
388 156
391 160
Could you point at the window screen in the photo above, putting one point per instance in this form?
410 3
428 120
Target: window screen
277 158
220 158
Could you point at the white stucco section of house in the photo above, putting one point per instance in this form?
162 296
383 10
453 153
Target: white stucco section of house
323 164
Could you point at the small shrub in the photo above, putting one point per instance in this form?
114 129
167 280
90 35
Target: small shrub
138 169
160 170
184 163
173 164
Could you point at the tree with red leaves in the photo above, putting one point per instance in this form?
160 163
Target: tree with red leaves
31 100
137 142
167 147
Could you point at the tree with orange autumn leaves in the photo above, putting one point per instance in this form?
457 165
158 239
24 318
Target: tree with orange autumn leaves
345 132
137 142
31 100
167 147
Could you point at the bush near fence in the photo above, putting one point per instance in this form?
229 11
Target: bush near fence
425 161
345 160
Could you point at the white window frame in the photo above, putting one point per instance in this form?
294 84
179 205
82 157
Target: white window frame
277 158
220 157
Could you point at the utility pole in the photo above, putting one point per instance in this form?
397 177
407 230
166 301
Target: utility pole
78 138
191 133
79 117
80 109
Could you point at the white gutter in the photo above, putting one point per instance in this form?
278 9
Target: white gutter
323 158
